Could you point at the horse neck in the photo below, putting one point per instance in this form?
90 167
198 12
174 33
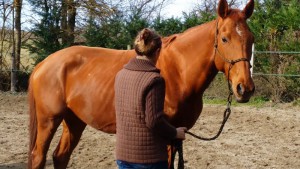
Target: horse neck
187 62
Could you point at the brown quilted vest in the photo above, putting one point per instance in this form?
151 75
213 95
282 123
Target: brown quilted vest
142 130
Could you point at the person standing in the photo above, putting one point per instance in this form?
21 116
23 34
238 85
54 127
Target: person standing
143 132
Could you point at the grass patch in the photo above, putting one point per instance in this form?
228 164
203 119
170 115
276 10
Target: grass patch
214 101
254 101
296 102
258 101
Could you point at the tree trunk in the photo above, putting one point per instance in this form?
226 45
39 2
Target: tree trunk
71 20
13 74
18 7
64 21
68 16
6 10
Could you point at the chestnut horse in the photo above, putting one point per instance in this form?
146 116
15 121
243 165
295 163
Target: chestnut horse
74 86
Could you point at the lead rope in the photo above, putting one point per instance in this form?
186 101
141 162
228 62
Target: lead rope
226 114
178 143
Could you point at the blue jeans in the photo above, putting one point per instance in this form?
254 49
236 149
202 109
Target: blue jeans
127 165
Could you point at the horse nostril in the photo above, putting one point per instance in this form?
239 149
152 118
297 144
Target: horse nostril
240 89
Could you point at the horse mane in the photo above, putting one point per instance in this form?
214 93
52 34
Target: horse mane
168 40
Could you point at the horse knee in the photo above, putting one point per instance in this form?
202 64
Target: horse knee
37 160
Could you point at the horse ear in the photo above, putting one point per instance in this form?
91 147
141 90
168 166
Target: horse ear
223 9
248 10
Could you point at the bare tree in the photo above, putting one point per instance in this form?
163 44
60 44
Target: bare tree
145 8
5 12
18 8
64 21
75 11
68 20
99 8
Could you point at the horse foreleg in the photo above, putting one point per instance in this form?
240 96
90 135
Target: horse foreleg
46 128
72 131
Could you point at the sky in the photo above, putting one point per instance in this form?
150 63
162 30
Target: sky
173 9
176 7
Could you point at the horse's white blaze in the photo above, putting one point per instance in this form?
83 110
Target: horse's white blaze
239 31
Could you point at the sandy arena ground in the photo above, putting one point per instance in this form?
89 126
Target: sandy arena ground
253 138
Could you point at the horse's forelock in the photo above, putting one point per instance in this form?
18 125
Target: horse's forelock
236 14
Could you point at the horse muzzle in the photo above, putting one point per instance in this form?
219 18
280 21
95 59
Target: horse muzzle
242 93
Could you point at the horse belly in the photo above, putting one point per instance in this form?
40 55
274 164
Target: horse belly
95 112
92 100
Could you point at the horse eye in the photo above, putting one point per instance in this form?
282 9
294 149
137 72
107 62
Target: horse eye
224 40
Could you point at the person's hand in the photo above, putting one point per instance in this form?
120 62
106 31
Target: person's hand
181 132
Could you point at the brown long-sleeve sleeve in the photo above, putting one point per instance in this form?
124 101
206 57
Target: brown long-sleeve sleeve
154 115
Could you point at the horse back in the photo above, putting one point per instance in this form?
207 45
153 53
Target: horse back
80 79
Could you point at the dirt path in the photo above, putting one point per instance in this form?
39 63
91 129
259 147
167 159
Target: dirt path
253 138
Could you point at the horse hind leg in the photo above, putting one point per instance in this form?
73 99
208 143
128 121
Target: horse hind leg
72 131
46 127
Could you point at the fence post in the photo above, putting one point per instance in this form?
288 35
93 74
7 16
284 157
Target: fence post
252 59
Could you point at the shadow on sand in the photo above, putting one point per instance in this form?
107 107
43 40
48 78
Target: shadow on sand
21 165
13 166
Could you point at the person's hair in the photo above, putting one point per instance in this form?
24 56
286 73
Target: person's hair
147 42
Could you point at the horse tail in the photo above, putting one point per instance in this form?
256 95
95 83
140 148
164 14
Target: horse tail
32 122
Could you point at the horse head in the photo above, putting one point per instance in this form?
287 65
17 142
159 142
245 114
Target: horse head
233 48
